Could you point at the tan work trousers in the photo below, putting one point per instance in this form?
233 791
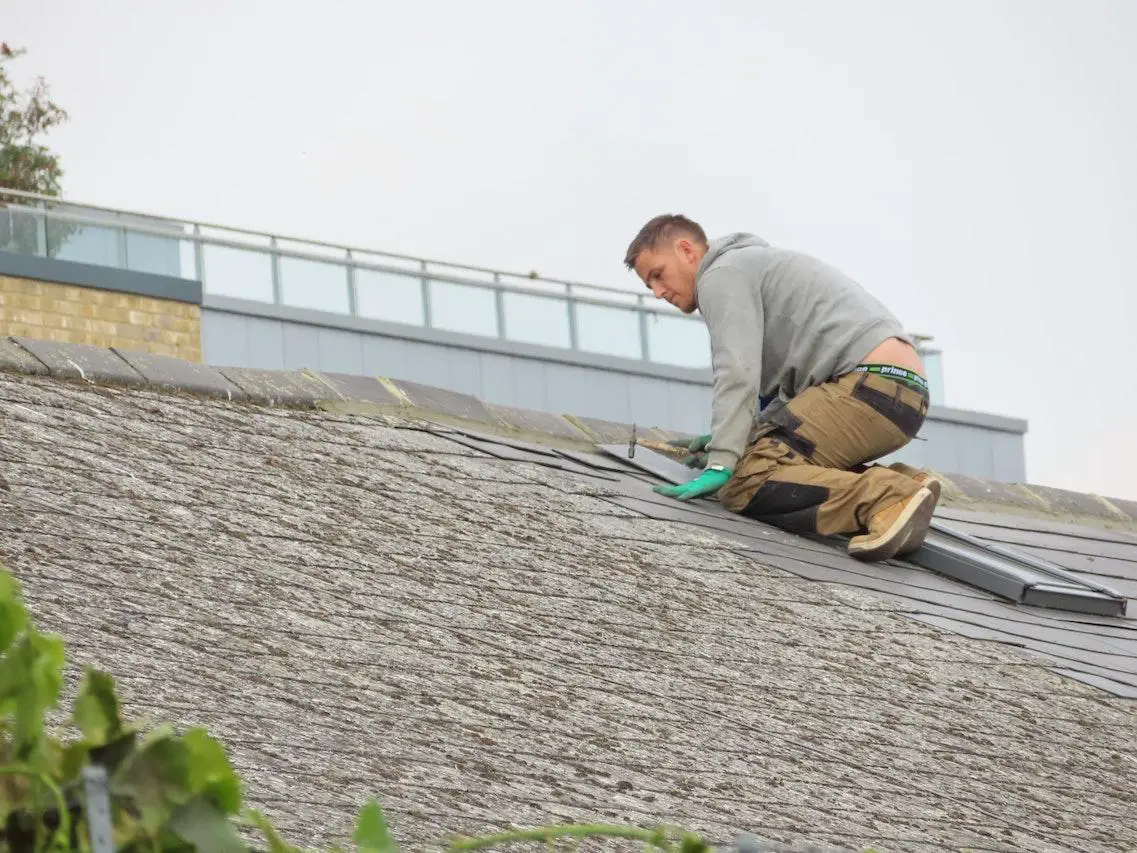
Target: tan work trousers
797 473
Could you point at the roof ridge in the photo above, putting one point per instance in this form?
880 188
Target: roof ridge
330 391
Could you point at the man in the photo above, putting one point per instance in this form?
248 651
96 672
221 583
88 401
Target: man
846 383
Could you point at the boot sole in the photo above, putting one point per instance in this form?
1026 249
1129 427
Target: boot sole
911 525
916 538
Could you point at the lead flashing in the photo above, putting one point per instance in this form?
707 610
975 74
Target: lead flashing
55 271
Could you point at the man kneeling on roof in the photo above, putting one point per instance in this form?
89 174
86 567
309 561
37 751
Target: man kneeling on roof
846 384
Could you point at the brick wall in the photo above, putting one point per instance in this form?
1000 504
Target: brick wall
84 315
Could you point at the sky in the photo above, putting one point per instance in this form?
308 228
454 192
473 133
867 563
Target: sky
972 164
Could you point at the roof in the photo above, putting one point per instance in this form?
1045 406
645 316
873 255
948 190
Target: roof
471 614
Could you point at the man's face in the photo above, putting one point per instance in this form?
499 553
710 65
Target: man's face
669 272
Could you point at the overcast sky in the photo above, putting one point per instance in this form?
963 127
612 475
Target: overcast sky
971 163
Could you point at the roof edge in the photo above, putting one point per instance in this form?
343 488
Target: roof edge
312 389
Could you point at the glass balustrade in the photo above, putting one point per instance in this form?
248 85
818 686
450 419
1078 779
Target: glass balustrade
531 319
258 268
389 296
239 273
608 331
678 341
462 308
318 285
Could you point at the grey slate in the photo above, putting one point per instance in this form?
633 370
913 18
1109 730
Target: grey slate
520 650
367 389
442 401
1003 521
988 490
82 361
177 374
280 387
1109 685
1075 503
651 462
600 461
528 420
611 432
16 359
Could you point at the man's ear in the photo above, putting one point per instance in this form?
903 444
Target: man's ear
685 249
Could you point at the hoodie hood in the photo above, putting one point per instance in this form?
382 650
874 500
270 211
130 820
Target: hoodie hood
717 248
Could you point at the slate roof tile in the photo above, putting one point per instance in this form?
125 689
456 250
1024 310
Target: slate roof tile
361 606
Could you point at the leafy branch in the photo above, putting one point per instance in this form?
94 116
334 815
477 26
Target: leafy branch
168 793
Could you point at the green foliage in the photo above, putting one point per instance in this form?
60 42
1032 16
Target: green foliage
169 792
25 163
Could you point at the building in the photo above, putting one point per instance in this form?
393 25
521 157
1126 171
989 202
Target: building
260 300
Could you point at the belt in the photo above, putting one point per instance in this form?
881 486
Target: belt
900 374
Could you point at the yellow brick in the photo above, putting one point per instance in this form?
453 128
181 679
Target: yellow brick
102 327
21 330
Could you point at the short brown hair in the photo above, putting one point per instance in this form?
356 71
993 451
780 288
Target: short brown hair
661 228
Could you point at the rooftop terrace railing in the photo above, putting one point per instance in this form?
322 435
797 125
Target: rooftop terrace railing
357 281
367 283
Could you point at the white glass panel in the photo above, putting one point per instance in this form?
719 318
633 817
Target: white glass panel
613 331
85 244
19 232
240 273
678 340
462 308
149 253
389 296
319 285
536 319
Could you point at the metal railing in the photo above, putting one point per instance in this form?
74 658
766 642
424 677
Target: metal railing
357 281
369 283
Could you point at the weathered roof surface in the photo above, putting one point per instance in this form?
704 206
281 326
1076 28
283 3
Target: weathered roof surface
485 634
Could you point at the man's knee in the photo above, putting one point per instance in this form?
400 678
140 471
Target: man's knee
755 467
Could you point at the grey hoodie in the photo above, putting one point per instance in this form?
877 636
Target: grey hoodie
779 322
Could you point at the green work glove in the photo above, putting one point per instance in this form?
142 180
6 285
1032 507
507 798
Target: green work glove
698 448
707 483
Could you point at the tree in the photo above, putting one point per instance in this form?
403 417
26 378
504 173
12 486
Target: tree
25 162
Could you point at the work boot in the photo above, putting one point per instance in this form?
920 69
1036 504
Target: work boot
924 477
904 524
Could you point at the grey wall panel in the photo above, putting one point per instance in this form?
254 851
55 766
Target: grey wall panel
464 371
531 385
340 351
265 343
689 407
986 447
225 340
497 381
1008 457
650 402
427 364
383 356
301 346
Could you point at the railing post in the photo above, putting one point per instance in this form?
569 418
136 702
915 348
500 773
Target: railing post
570 306
41 231
198 255
276 291
426 320
98 809
499 306
122 253
645 350
352 296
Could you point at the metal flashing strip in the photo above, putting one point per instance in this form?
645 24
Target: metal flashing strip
1022 578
